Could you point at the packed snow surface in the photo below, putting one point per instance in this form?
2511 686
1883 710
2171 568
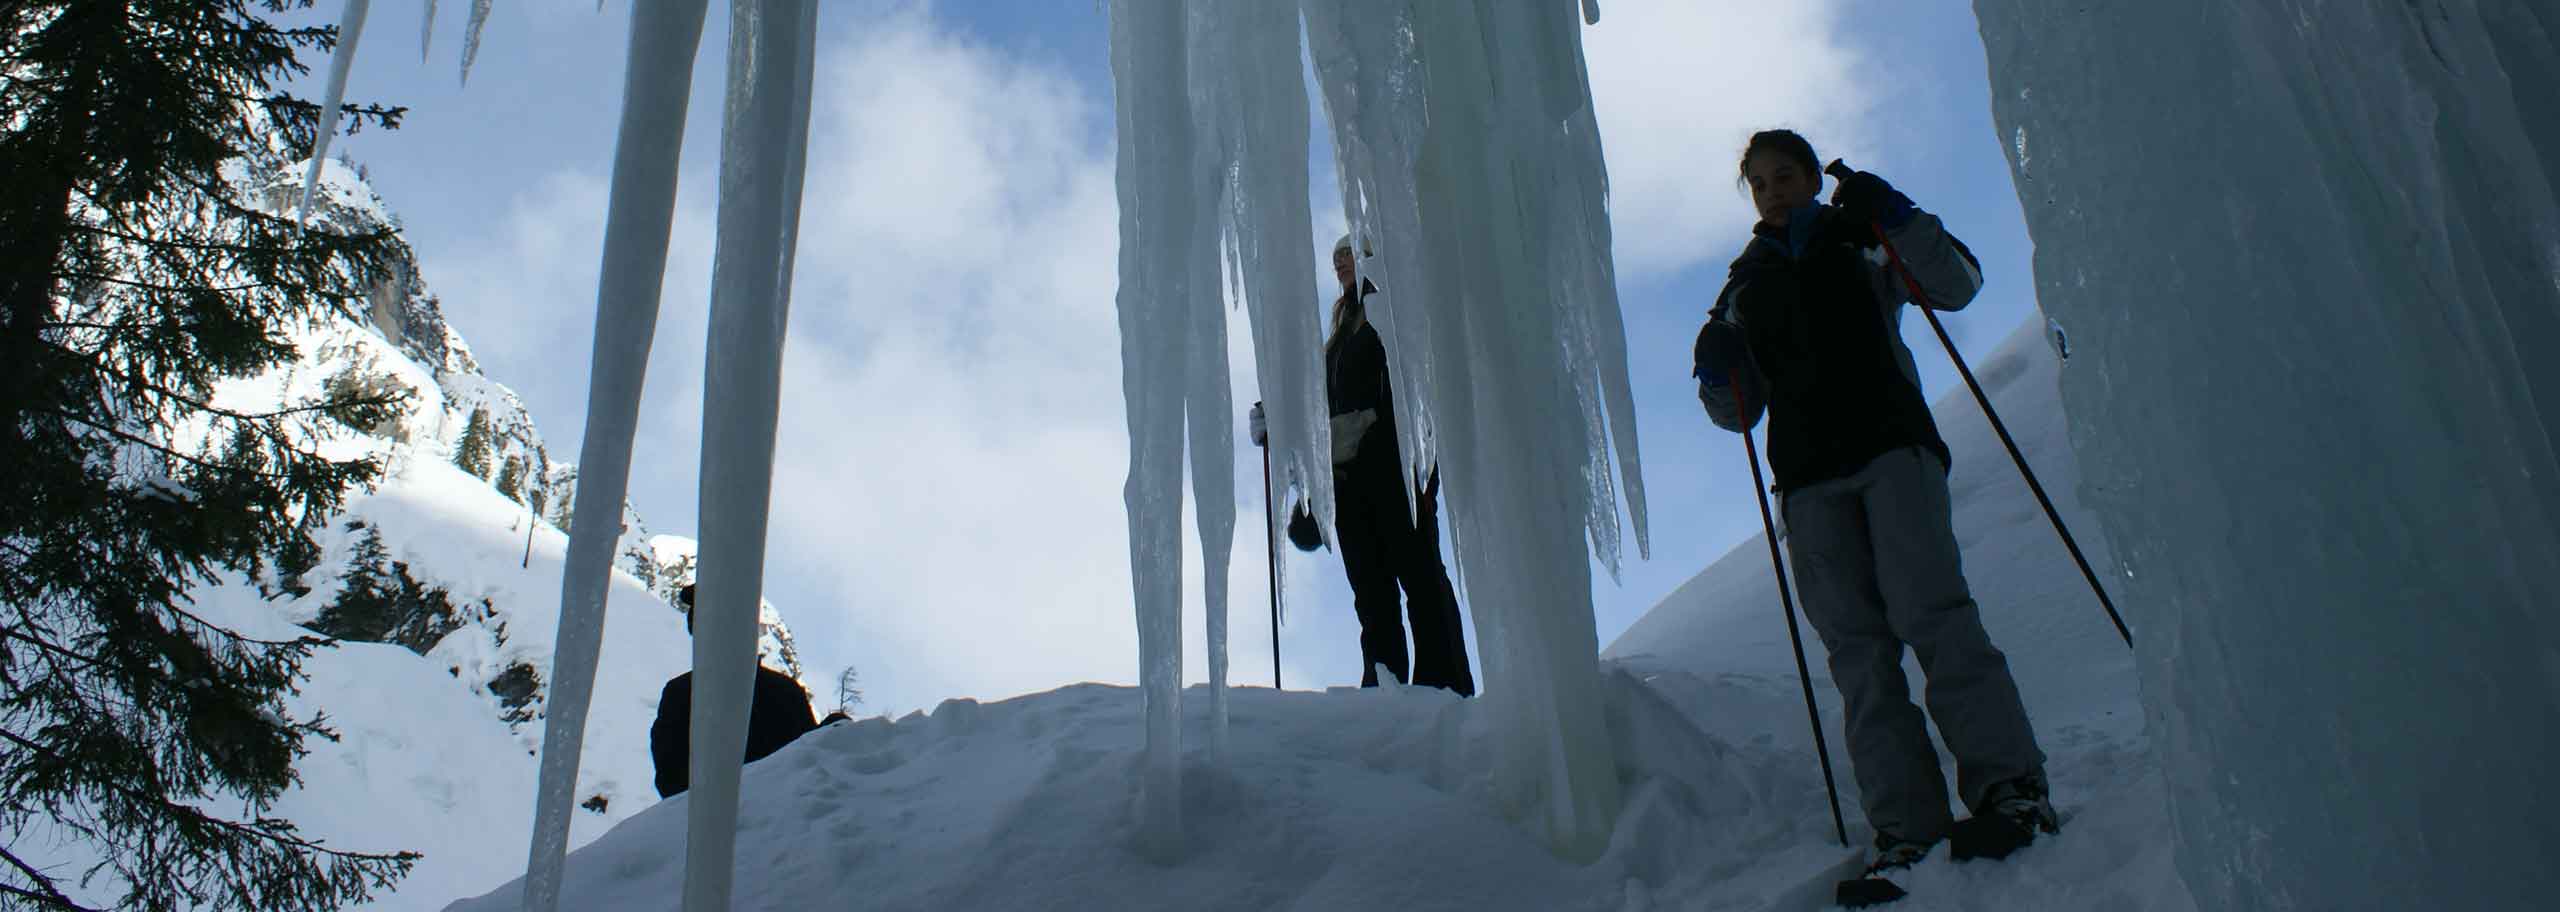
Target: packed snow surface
2308 256
1353 799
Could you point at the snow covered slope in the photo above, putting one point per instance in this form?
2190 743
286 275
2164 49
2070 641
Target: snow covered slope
1382 799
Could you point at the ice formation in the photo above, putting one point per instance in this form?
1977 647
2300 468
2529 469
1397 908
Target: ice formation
427 30
2310 268
341 60
1249 104
1485 199
657 81
471 34
1167 270
764 126
1469 153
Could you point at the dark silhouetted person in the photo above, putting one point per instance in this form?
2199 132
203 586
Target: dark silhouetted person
779 714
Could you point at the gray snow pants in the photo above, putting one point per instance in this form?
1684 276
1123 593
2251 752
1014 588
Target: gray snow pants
1875 556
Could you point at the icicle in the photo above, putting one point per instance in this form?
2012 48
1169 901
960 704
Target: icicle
1249 98
471 35
1487 199
1159 230
764 128
657 83
350 30
427 31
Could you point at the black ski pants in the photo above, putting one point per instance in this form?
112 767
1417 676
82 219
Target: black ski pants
1383 550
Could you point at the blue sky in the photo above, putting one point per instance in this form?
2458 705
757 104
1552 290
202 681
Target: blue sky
948 492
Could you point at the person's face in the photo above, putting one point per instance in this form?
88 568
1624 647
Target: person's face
1779 185
1342 267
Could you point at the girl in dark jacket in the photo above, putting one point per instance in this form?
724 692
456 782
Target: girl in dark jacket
1808 328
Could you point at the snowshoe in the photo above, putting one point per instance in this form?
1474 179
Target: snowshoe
1871 888
2009 821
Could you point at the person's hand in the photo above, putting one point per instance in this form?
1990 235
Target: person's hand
1257 427
1348 429
1866 198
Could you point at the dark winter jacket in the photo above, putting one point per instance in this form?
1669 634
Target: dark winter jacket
1822 313
1355 374
780 714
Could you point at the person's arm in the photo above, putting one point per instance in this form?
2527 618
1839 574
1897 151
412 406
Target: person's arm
1729 381
667 736
1945 268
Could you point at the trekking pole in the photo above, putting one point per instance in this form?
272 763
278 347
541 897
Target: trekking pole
1271 556
1841 170
1787 604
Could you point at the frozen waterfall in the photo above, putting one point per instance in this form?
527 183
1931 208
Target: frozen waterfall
2309 262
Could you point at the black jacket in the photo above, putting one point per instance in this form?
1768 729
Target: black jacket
1824 326
780 714
1355 375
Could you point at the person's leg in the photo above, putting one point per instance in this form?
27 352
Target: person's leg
1899 784
1919 569
1439 638
1366 559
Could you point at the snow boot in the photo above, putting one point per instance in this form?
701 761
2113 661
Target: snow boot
2011 816
1871 888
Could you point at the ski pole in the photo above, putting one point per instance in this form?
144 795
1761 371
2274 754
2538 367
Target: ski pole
1787 605
1839 169
1271 557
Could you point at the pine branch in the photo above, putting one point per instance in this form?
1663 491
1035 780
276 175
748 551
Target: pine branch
52 896
200 818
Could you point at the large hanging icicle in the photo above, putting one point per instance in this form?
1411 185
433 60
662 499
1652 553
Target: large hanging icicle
341 61
763 134
1159 233
657 82
1249 100
1470 157
1249 105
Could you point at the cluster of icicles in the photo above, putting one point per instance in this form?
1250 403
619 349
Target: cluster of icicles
1471 169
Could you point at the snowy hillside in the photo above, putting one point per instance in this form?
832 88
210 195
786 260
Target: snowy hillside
1383 799
444 584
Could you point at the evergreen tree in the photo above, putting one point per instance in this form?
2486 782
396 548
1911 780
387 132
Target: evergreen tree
471 451
511 479
137 270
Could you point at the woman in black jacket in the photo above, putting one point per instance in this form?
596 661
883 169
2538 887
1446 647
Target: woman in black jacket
1809 328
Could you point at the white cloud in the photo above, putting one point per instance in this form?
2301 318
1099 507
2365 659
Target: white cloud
1681 85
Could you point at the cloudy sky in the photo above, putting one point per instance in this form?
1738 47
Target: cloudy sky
948 514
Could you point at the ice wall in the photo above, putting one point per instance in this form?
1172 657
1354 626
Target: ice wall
2309 260
1469 156
1161 287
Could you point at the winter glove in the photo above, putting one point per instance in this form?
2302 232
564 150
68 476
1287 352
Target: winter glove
1255 426
1348 429
1303 531
1729 382
1865 198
